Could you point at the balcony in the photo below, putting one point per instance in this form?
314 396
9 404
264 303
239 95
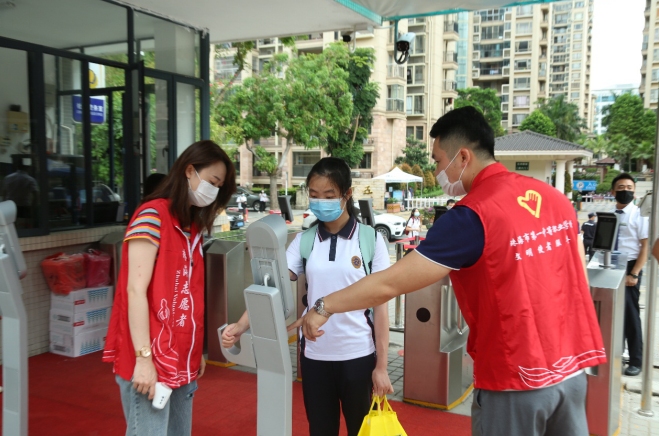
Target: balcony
450 86
415 111
451 60
491 54
267 42
542 75
395 105
451 30
396 71
490 73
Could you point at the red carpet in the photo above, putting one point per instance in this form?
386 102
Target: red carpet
80 397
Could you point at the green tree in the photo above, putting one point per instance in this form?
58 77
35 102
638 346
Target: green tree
598 145
628 117
414 153
644 152
621 147
309 105
429 179
565 117
417 171
486 101
539 123
349 143
568 183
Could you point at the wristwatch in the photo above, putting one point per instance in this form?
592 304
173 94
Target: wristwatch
143 352
319 307
634 275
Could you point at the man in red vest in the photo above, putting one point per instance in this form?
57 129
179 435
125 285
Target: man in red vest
512 249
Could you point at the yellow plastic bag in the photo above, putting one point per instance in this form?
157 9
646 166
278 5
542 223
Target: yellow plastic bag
381 422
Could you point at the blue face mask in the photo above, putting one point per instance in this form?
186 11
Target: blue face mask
326 210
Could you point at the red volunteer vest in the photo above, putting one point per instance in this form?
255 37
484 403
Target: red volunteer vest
527 302
176 306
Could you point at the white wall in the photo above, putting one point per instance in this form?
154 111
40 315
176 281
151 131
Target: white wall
538 169
14 90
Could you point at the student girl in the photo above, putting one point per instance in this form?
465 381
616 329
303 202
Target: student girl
348 363
157 325
414 224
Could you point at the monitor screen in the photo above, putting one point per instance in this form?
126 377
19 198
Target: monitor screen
605 232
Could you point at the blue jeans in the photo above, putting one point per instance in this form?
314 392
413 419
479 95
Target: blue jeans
175 419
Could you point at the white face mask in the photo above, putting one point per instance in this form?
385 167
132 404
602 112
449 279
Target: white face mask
205 193
455 189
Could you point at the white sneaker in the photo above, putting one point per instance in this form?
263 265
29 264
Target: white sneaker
625 354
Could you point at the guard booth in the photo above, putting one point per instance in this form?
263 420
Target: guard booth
438 372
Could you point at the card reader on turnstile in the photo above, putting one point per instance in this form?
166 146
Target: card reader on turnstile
264 346
606 275
14 326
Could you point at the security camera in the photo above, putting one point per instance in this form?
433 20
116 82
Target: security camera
403 47
346 38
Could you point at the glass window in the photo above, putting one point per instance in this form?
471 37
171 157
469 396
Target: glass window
578 16
166 46
519 118
18 162
492 32
418 45
365 164
655 74
574 95
521 101
578 4
576 66
576 77
69 25
576 56
522 46
522 83
578 36
524 11
578 26
419 133
303 161
409 131
654 95
395 91
523 65
576 46
524 28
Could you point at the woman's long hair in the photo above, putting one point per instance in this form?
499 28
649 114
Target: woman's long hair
339 174
174 187
412 214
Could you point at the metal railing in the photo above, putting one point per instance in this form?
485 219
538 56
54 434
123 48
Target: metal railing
415 110
395 70
491 54
491 71
395 105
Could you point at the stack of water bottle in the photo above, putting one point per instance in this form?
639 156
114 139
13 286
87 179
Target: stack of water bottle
79 318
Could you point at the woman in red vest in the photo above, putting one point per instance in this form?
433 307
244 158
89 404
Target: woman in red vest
157 326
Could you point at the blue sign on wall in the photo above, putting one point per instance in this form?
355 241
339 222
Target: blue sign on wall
584 185
96 108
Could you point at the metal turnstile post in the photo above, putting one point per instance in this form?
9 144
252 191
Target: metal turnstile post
607 286
14 327
398 301
438 372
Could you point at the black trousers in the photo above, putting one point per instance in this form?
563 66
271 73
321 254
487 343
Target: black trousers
329 387
588 245
632 330
262 206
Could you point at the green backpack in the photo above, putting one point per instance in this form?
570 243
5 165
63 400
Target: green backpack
366 246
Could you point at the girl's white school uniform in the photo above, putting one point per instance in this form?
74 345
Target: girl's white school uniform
347 335
414 223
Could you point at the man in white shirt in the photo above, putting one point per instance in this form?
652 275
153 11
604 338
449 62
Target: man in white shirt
633 241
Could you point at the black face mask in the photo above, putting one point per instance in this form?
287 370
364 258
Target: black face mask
624 197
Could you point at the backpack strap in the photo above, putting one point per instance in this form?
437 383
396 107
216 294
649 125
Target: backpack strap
307 240
367 236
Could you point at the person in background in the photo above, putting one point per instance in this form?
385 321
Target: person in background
588 233
414 224
22 189
156 331
633 241
263 198
450 203
242 205
151 183
346 365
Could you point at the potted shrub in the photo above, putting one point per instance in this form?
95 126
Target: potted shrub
393 206
427 216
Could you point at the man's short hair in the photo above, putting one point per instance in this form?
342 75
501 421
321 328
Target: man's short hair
465 127
450 201
622 176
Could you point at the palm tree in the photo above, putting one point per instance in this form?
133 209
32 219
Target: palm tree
565 117
598 145
645 152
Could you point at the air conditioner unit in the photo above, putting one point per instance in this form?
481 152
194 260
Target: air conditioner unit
507 34
506 52
505 89
506 71
475 74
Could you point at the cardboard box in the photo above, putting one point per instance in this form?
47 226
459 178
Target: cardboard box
86 342
83 299
18 121
73 323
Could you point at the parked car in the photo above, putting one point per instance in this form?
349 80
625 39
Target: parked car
252 199
388 225
236 220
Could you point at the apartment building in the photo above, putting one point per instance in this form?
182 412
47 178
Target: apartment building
605 98
412 96
649 89
533 52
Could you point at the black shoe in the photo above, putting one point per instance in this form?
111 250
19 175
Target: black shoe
632 370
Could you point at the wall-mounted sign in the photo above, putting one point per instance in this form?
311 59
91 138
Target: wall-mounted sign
584 185
96 108
521 166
